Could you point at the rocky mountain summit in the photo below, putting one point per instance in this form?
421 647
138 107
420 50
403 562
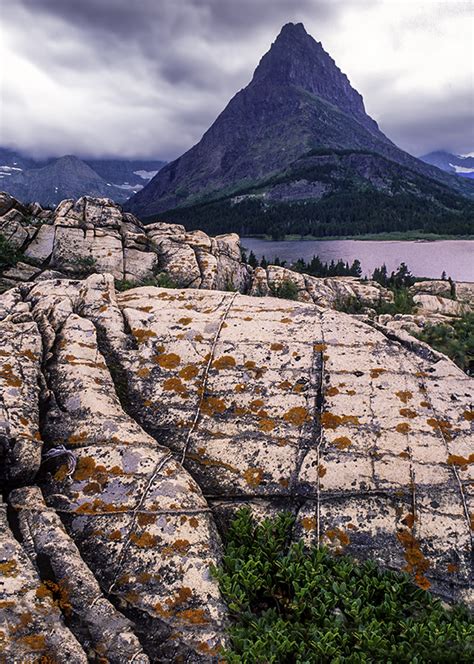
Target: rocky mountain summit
133 424
297 107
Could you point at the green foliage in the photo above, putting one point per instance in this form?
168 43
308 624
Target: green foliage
161 280
9 255
456 340
349 305
291 605
84 265
287 290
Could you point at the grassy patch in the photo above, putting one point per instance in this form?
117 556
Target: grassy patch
160 280
289 604
455 339
287 290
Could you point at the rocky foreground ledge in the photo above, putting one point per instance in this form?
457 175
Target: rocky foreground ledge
133 424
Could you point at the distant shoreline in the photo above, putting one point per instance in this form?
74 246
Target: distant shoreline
408 236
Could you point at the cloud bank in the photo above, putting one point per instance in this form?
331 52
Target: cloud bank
147 78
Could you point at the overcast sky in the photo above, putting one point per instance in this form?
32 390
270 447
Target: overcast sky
146 78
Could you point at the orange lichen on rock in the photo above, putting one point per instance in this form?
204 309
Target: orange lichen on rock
408 412
462 462
297 416
403 427
266 424
142 335
332 391
376 372
331 421
417 564
175 385
212 405
338 534
468 415
342 443
34 641
144 541
193 616
9 568
144 372
224 362
404 396
180 546
253 476
185 320
167 360
443 426
277 346
319 348
308 523
189 372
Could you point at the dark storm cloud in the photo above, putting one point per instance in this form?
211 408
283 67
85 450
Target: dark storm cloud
147 77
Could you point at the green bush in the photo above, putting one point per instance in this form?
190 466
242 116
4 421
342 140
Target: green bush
161 280
9 255
84 265
456 340
287 290
291 605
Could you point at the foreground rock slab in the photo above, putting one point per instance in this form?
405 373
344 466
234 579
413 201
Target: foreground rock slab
161 411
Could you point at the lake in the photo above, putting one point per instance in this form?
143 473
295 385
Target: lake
424 259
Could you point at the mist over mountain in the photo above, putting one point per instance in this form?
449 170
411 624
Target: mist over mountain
298 132
459 164
48 181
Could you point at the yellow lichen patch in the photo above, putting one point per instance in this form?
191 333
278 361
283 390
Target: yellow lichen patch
308 523
193 616
321 470
212 462
255 405
266 424
144 519
285 320
182 596
6 373
144 577
404 455
297 416
452 568
57 592
403 427
75 439
185 320
180 546
142 335
408 412
144 541
443 426
331 421
240 387
144 372
277 346
253 476
97 506
85 468
34 641
332 391
212 405
188 372
404 396
115 536
167 360
9 568
319 348
417 564
285 385
468 415
424 404
224 362
462 462
193 522
337 534
175 385
376 372
342 443
409 520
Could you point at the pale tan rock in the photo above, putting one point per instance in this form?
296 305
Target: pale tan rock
434 304
41 247
31 624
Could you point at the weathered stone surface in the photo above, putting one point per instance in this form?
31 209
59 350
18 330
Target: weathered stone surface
42 244
32 628
20 376
111 634
435 304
